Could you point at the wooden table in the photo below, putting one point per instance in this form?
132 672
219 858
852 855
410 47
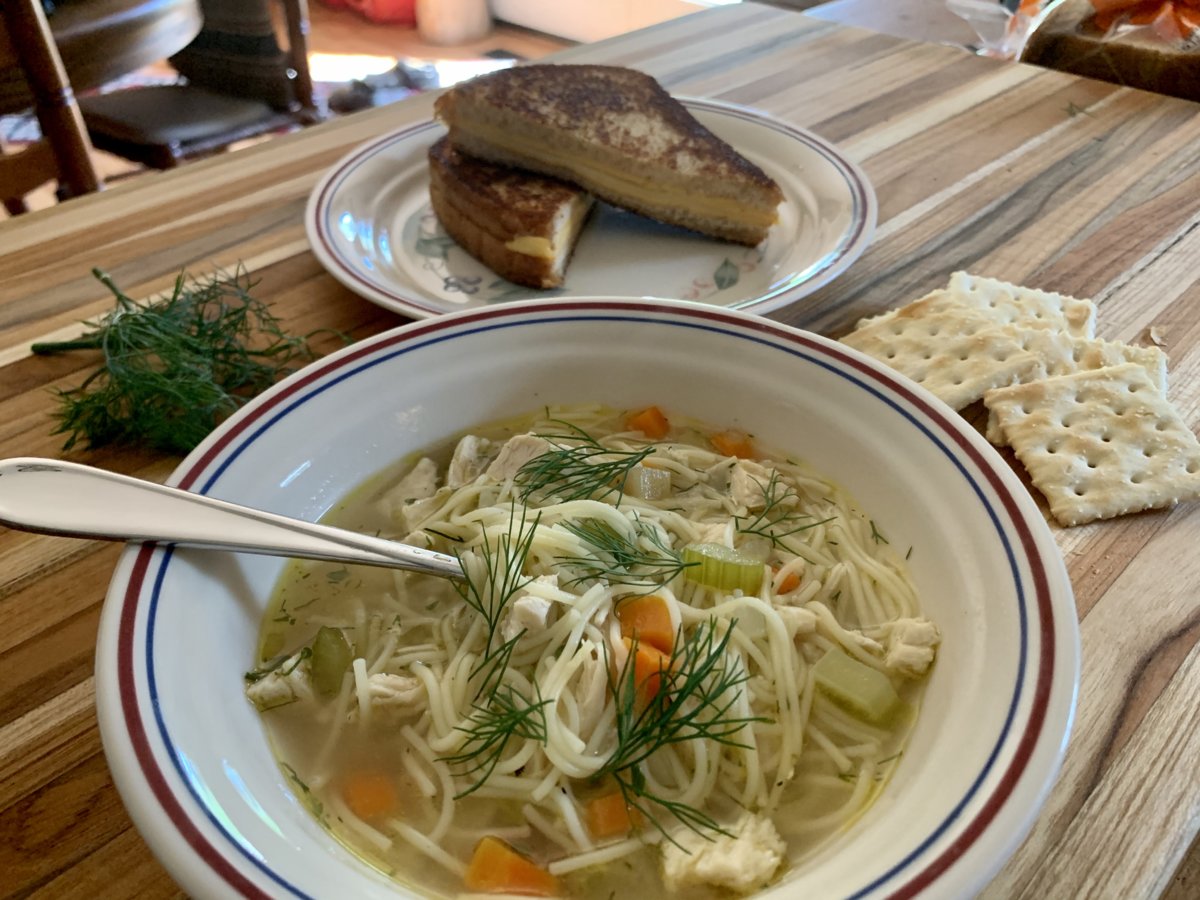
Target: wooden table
1000 169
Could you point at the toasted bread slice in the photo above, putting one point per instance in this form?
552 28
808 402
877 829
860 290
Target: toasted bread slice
618 134
520 225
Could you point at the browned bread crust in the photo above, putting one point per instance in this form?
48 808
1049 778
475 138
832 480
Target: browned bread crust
1068 40
483 207
568 121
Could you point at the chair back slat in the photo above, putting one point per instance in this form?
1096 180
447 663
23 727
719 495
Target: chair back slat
239 84
66 155
237 53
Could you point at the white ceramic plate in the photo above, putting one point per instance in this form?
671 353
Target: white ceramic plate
179 627
370 224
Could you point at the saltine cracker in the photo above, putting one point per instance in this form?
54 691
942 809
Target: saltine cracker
1100 443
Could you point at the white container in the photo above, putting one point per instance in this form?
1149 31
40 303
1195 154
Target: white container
453 21
594 20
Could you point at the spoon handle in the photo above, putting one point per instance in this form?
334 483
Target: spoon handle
63 498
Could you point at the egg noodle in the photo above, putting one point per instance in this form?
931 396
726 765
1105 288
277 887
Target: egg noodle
509 705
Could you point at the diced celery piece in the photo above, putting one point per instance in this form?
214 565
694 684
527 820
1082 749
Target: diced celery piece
860 689
331 658
646 483
723 568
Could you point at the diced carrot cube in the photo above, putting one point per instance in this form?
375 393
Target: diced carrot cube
734 443
370 795
649 666
648 619
496 868
650 422
609 815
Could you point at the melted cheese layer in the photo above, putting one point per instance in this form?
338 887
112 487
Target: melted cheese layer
622 183
567 223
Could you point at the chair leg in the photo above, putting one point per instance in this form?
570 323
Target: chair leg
54 101
296 14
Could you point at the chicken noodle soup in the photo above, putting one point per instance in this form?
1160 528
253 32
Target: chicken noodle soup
678 662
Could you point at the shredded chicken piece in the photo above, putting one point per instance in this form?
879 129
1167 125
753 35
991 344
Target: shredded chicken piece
288 683
412 493
910 646
419 483
393 698
748 482
410 516
742 861
516 451
717 475
471 456
527 611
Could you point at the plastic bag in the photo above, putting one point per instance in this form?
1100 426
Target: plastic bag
991 20
1148 44
1173 22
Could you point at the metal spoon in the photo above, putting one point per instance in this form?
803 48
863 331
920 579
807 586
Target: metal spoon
63 498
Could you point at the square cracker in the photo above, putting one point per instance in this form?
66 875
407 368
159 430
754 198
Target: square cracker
1062 354
1100 443
957 354
1007 303
1026 306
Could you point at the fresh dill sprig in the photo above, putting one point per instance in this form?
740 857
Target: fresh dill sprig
492 665
696 694
276 664
876 536
778 518
175 367
507 715
620 559
578 467
632 786
494 575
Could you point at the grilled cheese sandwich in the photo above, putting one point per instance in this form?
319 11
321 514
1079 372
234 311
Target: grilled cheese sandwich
618 134
520 225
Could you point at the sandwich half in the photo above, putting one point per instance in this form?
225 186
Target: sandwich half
520 225
617 133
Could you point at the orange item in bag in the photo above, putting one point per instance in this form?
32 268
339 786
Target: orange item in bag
1149 44
397 12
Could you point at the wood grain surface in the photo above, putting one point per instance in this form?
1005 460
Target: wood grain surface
999 169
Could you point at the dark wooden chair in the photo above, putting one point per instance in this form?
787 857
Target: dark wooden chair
239 84
64 154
